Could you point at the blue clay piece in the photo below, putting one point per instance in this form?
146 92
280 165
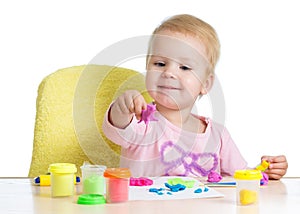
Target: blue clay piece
168 185
175 188
199 190
153 190
157 191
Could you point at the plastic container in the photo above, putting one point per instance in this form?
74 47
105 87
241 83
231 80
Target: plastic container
92 179
117 184
247 186
62 179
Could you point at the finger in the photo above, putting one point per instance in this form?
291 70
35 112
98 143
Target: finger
267 158
274 159
128 102
275 171
140 105
138 111
279 159
275 174
131 107
120 105
278 165
144 105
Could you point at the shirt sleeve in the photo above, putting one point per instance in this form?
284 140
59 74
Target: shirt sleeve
116 135
231 158
123 137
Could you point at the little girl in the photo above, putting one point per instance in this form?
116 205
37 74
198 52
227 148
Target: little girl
182 55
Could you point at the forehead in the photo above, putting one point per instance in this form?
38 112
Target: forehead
177 46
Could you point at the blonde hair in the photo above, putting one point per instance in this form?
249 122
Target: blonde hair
191 25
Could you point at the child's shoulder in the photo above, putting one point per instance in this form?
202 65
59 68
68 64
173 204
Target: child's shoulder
212 124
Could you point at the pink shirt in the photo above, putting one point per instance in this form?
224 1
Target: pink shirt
161 148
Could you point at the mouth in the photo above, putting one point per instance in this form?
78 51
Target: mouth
168 87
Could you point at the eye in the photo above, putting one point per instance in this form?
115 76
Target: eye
185 68
159 64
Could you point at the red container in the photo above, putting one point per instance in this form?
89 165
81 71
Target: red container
117 184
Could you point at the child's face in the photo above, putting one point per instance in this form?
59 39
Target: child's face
176 70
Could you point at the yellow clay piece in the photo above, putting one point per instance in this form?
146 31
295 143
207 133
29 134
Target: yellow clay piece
248 197
263 166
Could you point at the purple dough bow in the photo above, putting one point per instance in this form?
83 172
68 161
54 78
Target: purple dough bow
188 160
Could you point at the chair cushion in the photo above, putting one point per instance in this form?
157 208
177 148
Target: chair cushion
70 108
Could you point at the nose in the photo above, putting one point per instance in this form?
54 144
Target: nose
170 71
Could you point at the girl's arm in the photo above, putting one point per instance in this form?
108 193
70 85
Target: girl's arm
129 104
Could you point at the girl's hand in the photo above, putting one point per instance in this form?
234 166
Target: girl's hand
278 166
127 105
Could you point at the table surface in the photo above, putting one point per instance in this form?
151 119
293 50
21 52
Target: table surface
18 195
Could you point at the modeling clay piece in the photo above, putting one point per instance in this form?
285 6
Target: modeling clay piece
265 179
148 114
247 197
205 189
214 177
187 183
140 181
175 188
199 190
263 166
157 191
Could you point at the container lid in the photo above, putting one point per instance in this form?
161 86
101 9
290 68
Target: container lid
62 168
95 168
90 199
117 173
248 174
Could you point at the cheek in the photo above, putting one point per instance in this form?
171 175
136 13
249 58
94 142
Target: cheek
192 85
151 80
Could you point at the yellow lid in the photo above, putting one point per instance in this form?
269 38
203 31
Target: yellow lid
117 173
62 168
248 174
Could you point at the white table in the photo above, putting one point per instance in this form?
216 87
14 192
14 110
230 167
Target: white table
18 195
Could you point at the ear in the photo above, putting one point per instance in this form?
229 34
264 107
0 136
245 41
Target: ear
207 85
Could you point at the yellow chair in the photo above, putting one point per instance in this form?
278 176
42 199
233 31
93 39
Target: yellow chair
70 108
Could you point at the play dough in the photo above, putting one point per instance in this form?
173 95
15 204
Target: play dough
248 196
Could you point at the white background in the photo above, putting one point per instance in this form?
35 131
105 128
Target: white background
258 69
